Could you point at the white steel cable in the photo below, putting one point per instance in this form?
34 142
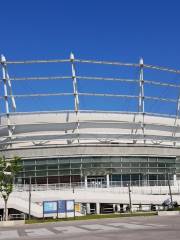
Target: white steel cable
107 63
92 94
167 69
128 96
161 99
38 61
94 78
40 95
40 78
162 84
107 95
107 79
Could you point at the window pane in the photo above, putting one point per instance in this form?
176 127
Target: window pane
52 161
53 166
29 162
64 166
64 172
41 162
52 173
75 165
134 164
41 173
41 167
152 164
115 159
64 160
75 171
116 164
29 168
75 160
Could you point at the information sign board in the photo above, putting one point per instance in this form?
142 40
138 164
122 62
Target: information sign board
70 205
49 207
61 206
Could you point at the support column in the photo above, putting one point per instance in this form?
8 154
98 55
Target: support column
85 182
176 120
141 87
97 208
75 92
175 180
130 202
118 207
4 78
76 98
114 208
7 81
88 210
141 94
107 181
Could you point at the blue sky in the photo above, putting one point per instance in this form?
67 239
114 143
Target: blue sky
119 30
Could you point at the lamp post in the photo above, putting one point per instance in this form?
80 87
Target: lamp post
170 193
29 198
130 203
7 173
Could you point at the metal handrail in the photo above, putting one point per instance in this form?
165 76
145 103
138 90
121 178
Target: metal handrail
20 216
137 186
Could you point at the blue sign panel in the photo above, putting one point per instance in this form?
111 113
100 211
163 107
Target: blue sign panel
50 207
70 206
61 206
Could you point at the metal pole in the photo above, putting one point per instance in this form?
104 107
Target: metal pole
4 78
176 118
130 203
141 85
74 210
170 193
75 91
76 98
43 210
29 198
10 90
141 93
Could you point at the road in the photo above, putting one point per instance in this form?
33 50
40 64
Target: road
133 228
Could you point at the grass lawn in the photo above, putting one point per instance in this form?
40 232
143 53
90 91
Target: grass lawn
94 216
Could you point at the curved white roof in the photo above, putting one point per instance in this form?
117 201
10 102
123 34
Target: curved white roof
49 128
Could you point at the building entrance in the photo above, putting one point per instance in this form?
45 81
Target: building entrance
96 181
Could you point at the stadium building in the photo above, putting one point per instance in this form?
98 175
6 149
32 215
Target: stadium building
91 123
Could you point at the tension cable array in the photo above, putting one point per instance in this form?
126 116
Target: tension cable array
141 97
167 69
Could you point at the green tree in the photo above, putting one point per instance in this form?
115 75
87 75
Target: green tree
8 170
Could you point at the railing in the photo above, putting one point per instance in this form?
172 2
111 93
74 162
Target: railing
143 183
151 187
20 216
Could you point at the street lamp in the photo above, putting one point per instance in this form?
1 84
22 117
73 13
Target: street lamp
29 198
170 192
130 203
6 171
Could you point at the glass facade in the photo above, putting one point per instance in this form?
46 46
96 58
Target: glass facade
69 170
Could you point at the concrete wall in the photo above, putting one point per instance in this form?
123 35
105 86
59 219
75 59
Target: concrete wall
20 200
92 150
